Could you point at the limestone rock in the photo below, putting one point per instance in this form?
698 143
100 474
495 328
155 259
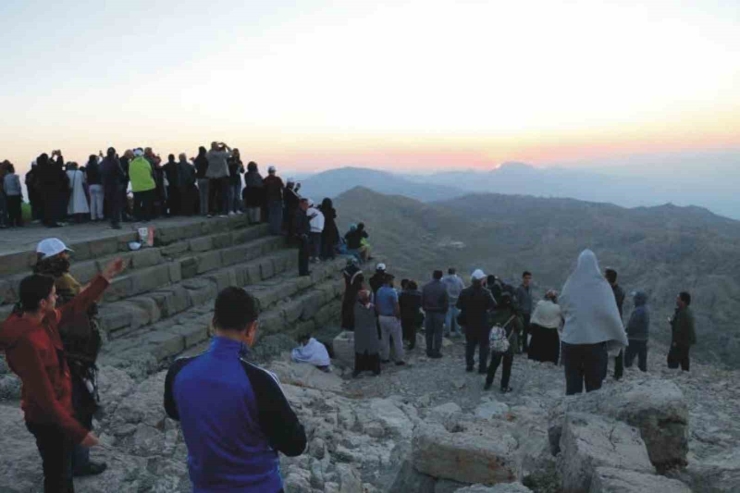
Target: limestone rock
305 375
656 407
718 474
589 441
499 488
344 348
10 388
491 409
468 452
409 480
445 409
610 480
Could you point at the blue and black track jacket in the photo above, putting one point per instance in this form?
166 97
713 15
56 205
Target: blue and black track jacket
235 419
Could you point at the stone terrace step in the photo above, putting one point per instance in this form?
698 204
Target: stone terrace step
104 241
193 252
287 303
122 318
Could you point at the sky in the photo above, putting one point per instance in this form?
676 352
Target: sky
412 86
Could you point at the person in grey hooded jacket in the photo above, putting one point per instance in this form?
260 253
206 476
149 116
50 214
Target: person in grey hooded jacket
638 329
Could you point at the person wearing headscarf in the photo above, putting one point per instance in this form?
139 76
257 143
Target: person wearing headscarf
291 199
545 324
201 169
367 344
81 339
593 327
188 190
114 182
77 206
274 196
53 185
254 193
330 234
33 195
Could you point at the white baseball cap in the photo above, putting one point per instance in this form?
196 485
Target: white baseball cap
380 266
51 246
478 275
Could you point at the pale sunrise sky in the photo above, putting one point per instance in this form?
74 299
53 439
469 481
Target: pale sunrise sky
401 85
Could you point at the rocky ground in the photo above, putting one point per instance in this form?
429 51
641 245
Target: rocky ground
428 427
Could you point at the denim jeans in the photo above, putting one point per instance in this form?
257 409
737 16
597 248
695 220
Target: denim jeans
639 349
96 202
451 325
235 197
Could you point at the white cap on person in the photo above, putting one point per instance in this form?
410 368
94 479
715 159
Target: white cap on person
478 275
380 267
51 246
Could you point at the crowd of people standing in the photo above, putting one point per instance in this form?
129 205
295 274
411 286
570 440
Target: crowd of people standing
580 329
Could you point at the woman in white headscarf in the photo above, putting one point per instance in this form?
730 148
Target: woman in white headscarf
593 327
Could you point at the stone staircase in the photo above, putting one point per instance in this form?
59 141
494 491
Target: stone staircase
161 307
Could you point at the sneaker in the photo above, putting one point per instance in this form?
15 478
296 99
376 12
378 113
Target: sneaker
436 356
400 363
222 215
231 213
506 390
92 469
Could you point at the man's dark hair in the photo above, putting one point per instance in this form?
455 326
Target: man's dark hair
413 285
388 278
33 289
685 297
451 271
235 309
360 226
527 273
404 283
611 275
171 157
437 275
11 168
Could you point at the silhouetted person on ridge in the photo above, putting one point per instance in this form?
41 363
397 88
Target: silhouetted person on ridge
683 333
611 276
435 302
475 304
638 330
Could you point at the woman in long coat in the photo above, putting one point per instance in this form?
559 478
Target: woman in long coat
367 344
330 234
78 205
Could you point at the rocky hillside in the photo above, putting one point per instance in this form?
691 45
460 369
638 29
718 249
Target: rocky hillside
661 250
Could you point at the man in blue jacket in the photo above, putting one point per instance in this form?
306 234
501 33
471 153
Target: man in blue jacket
234 416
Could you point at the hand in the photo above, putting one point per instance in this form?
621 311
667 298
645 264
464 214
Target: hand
114 268
90 440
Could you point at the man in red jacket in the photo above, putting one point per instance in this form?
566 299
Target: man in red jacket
34 351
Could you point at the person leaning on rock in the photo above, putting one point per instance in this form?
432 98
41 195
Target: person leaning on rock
34 352
683 333
234 416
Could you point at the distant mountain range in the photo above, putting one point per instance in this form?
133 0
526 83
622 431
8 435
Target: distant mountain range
703 189
661 250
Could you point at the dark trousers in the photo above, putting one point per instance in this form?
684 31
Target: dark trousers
508 358
327 248
639 349
619 365
679 355
434 326
315 240
367 362
173 200
408 328
15 217
303 256
218 190
36 203
143 205
114 203
55 207
476 337
56 456
583 362
525 332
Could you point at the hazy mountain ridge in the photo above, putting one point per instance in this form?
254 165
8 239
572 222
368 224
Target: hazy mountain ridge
706 190
661 249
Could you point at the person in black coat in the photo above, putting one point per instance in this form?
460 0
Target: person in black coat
330 234
302 230
172 172
114 181
410 303
53 185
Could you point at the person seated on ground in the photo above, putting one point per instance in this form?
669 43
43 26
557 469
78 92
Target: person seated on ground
593 327
34 352
506 317
545 325
638 329
234 416
355 246
81 340
475 304
367 344
312 352
411 316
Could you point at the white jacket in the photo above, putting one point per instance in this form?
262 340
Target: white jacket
317 219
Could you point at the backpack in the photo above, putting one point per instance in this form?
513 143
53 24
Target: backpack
498 340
